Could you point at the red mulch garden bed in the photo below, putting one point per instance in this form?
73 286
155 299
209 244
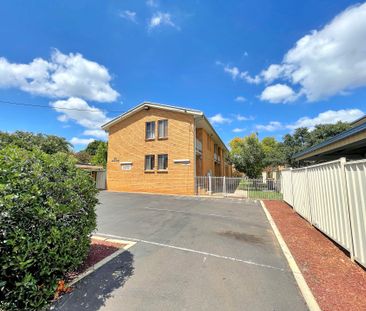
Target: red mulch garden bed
337 283
99 249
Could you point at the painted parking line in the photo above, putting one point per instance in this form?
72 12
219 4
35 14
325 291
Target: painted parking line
188 250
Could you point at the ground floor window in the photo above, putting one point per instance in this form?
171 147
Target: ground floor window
162 161
149 162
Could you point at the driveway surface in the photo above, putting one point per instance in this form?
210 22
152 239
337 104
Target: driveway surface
191 254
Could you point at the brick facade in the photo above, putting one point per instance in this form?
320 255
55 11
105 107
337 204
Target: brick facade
127 147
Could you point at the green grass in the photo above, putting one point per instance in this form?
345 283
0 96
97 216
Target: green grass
269 195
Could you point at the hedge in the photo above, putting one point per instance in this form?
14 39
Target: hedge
47 214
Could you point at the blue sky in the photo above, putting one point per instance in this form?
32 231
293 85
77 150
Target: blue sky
251 66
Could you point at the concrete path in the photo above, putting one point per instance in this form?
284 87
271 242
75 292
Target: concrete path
191 254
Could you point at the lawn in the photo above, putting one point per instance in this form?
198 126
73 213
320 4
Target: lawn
267 195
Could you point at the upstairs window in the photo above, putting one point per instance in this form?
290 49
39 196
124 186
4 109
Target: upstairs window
149 162
150 130
162 162
162 128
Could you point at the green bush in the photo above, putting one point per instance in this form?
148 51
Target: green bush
47 214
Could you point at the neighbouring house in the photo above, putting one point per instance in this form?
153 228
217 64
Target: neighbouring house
350 144
273 173
97 173
160 149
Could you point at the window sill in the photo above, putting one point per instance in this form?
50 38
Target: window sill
149 171
162 171
149 139
162 138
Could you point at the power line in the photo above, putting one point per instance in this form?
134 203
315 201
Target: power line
50 107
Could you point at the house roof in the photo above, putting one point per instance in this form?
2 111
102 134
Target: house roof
333 140
143 105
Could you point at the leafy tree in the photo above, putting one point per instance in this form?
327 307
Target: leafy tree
302 138
273 152
92 147
83 157
49 144
247 155
100 157
322 132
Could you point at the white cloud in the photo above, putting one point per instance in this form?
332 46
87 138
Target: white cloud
96 133
329 61
235 73
219 119
240 99
81 141
273 72
129 15
80 112
271 127
62 76
161 19
278 93
327 117
152 3
238 130
239 117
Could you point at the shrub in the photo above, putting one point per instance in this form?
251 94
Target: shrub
47 213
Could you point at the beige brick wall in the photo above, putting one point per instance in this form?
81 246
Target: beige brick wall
127 143
207 163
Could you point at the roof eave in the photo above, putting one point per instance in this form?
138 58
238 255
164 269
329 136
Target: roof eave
141 106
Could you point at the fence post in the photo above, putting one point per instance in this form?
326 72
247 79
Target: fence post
209 185
345 194
224 186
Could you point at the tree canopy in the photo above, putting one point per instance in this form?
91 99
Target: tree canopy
49 144
247 155
303 138
250 156
92 147
100 157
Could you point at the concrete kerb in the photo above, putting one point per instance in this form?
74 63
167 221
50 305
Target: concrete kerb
304 288
127 245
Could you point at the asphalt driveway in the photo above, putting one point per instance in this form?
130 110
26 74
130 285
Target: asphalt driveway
191 254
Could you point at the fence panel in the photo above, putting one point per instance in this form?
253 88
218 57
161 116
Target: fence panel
286 186
356 189
301 193
328 201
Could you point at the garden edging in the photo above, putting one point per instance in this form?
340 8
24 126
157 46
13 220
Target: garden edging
303 286
127 245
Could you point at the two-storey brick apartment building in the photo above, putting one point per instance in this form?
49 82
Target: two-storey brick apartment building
160 149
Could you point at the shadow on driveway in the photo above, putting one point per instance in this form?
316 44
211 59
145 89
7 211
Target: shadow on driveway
92 292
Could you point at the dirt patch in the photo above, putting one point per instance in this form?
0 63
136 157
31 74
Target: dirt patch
337 283
241 236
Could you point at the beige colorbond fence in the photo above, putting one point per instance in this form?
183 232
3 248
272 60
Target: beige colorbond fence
356 193
331 196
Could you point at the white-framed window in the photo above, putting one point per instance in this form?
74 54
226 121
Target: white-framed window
162 128
150 130
162 162
149 162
